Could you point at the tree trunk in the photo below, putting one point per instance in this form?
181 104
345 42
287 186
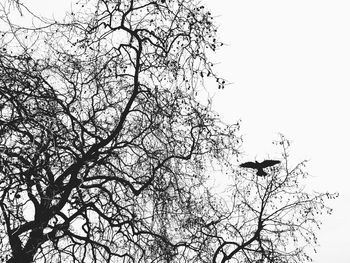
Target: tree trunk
26 254
21 258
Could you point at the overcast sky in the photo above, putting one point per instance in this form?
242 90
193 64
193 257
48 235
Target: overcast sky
289 62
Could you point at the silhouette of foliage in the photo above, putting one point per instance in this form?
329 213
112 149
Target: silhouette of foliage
103 136
106 147
273 218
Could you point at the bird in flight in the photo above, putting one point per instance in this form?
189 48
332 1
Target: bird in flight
260 166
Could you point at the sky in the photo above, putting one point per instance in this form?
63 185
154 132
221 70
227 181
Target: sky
289 64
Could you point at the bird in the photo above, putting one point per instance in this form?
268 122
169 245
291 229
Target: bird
260 166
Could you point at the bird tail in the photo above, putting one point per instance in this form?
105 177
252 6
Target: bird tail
261 172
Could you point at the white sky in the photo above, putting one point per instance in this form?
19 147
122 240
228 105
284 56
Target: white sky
289 62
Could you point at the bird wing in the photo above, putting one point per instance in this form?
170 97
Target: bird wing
268 163
250 165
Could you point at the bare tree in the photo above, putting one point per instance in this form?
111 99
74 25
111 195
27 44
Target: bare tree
103 135
274 218
106 137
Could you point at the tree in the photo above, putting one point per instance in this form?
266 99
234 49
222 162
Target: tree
104 137
273 219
